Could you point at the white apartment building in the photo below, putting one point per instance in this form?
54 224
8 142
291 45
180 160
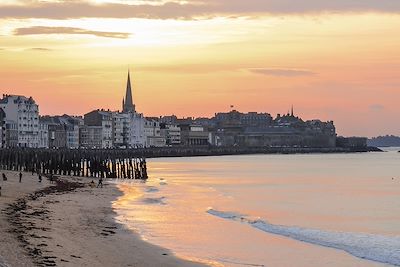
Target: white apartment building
152 132
120 129
91 137
135 136
25 113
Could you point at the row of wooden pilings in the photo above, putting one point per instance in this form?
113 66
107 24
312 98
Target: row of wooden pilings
123 164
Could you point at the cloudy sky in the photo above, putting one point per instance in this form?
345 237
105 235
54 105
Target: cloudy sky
334 60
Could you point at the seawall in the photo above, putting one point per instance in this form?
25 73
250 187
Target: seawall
223 151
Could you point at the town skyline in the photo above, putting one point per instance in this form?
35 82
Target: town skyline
229 108
196 58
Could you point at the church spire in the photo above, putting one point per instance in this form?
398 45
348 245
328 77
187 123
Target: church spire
128 103
292 114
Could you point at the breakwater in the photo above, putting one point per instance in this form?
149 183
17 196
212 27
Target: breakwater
125 164
225 151
129 163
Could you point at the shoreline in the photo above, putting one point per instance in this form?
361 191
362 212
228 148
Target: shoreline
70 224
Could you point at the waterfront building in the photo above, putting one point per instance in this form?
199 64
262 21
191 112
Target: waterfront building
172 120
260 130
120 129
171 133
91 137
43 134
72 125
136 137
235 117
152 132
194 135
128 130
103 119
25 113
2 127
61 131
56 131
255 119
206 122
10 134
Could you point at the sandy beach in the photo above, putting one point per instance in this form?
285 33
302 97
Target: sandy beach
69 224
11 251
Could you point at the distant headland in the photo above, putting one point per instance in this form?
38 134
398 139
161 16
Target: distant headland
384 141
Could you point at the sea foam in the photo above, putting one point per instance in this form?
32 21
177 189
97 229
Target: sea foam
384 249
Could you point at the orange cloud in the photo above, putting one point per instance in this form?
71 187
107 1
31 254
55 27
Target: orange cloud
68 30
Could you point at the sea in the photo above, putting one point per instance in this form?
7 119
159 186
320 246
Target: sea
270 210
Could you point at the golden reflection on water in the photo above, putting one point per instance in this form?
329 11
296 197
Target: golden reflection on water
133 193
331 192
130 193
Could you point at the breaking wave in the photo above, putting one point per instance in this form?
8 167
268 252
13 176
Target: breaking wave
378 248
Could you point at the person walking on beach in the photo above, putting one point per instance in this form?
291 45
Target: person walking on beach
4 177
20 177
100 184
40 178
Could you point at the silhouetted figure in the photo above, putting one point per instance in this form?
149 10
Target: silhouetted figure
51 178
100 184
40 178
0 191
20 177
4 177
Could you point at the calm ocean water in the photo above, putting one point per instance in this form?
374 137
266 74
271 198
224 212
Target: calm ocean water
271 210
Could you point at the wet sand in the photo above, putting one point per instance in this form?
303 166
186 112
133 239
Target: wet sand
69 224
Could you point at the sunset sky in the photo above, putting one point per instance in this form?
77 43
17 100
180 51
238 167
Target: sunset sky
334 60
